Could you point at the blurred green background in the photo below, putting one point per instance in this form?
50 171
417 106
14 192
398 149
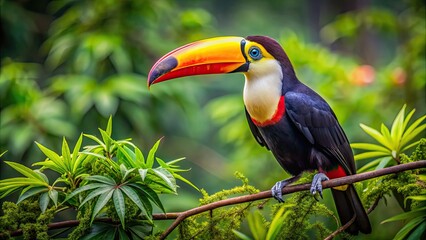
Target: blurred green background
66 66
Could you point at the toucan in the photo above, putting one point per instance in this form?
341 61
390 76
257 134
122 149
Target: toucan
287 117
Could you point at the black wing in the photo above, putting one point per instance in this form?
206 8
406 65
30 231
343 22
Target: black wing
255 131
318 123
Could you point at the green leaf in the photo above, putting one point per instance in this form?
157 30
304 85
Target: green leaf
142 173
84 188
415 198
29 173
125 172
257 228
66 155
96 140
122 234
100 231
124 157
50 165
407 215
412 132
53 194
151 154
387 135
162 163
54 157
410 146
8 191
151 194
102 201
95 155
405 231
276 224
240 235
376 135
119 205
42 175
407 119
419 231
132 194
107 140
31 192
177 176
101 179
140 159
44 201
76 157
370 147
141 231
97 192
147 206
108 129
171 163
370 165
397 126
366 155
167 177
383 162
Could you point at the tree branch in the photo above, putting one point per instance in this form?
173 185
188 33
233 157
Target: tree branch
291 189
180 216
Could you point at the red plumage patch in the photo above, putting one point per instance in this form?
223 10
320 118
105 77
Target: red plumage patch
279 113
336 173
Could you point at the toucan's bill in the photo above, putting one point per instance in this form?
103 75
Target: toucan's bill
210 56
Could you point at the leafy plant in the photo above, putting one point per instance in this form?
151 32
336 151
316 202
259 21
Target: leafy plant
415 228
111 179
259 228
414 202
392 142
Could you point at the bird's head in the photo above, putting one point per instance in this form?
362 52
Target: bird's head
254 56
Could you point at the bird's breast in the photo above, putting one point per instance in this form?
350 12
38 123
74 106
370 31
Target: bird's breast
263 97
273 119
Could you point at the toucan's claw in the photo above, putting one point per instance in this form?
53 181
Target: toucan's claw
316 186
277 189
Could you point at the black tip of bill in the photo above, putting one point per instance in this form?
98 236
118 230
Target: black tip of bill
163 67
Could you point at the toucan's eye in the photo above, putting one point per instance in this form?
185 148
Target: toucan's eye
255 53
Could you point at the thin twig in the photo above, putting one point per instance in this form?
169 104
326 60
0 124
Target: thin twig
344 227
341 229
180 216
374 205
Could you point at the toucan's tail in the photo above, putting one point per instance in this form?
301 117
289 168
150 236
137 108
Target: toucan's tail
347 204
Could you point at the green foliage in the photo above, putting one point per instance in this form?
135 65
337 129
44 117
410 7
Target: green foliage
26 216
391 143
68 65
258 225
415 226
219 222
296 213
91 62
408 186
112 179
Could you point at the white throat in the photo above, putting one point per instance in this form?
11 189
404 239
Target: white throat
263 89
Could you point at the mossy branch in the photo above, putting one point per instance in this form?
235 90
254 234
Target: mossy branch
290 189
180 216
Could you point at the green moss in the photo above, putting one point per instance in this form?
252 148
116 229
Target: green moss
83 215
401 185
219 222
26 216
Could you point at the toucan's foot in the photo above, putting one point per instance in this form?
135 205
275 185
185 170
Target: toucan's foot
316 186
278 188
